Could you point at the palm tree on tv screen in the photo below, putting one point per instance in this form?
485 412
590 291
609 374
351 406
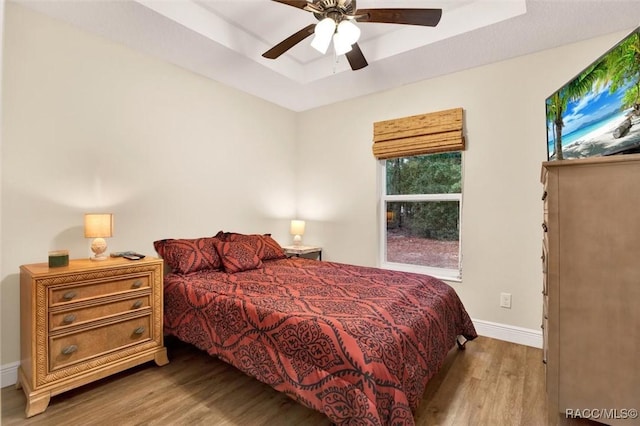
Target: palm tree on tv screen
555 108
623 65
572 91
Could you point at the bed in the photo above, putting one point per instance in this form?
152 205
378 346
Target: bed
358 344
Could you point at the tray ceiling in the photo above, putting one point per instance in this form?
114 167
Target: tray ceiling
223 40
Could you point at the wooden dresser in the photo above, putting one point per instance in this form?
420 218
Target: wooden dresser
85 321
591 265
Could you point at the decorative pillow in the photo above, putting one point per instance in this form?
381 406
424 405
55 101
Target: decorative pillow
272 250
265 246
185 256
237 256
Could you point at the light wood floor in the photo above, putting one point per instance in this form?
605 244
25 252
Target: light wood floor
490 383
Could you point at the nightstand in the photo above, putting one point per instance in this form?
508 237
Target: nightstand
298 250
85 321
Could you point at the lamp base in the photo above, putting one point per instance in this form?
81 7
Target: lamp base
297 240
99 247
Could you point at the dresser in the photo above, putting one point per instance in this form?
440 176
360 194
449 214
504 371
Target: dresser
86 321
591 288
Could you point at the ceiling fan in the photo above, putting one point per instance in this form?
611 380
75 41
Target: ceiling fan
335 24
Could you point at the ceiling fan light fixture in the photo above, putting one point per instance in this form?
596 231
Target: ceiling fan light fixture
341 44
323 33
349 31
347 34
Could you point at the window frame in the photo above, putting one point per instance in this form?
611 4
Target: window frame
449 274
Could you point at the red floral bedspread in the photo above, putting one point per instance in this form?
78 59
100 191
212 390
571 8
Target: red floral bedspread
358 344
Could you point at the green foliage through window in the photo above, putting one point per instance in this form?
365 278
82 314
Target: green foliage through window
427 174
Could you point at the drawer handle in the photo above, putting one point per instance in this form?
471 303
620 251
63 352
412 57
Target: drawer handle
544 195
139 330
69 295
69 349
137 304
68 319
544 227
137 284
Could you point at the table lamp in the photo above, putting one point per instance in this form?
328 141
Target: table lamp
98 226
297 230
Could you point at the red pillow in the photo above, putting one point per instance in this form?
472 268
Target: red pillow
265 246
272 250
185 256
237 256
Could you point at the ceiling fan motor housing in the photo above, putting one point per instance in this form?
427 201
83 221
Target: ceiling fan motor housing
334 9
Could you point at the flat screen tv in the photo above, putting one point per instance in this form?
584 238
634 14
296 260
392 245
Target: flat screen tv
598 112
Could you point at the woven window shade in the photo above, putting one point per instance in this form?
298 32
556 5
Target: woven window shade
418 135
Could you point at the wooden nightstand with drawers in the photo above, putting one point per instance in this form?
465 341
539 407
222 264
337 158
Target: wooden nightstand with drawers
82 322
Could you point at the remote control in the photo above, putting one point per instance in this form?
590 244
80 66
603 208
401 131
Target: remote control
127 253
134 256
121 253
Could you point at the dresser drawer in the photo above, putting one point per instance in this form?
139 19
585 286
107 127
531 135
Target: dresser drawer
74 293
67 349
70 317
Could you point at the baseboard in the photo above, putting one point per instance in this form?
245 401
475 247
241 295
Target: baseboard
9 374
509 333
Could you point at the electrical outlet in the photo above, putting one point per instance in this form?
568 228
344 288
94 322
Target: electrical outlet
505 300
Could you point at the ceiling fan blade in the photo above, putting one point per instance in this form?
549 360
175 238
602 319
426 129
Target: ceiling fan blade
426 17
356 58
289 42
300 4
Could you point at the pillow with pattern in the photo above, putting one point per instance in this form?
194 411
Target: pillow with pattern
266 247
237 256
185 256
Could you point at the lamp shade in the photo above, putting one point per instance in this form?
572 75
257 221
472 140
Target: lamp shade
340 44
323 33
297 227
98 225
347 34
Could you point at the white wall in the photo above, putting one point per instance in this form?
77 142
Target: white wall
504 120
90 125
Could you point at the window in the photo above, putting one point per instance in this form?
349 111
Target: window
421 202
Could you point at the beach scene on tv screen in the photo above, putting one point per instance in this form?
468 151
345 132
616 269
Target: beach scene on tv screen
598 112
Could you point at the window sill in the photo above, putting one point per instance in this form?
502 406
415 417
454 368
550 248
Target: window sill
443 274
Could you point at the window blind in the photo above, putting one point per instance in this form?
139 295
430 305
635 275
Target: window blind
419 134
